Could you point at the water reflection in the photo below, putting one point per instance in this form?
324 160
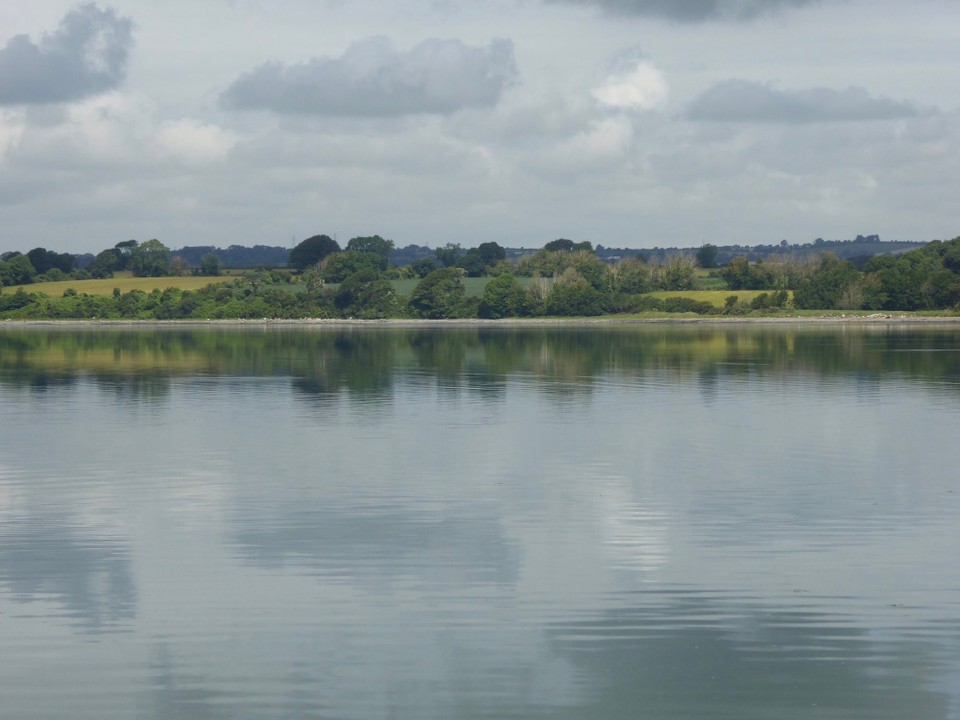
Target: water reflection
367 362
47 557
717 522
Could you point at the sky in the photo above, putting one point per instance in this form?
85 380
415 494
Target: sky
626 123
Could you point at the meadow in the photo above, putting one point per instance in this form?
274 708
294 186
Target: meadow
122 281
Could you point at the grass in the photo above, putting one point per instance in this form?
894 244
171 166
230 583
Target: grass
124 282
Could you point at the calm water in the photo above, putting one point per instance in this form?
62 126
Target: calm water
645 522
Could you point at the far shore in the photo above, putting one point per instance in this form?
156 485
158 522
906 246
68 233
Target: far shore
846 319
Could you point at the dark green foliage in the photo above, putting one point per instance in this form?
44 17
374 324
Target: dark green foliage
741 275
472 263
45 260
448 255
367 294
765 301
151 259
826 285
504 297
312 251
678 273
491 252
106 263
373 244
16 270
707 256
564 245
125 253
209 265
339 266
573 295
439 295
684 305
632 277
423 267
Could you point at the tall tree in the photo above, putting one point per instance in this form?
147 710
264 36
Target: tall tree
151 259
373 244
312 251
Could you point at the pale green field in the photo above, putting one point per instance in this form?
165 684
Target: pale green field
126 284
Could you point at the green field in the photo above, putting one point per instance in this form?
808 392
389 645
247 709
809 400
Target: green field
125 284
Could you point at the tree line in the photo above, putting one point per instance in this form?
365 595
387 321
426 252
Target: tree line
562 278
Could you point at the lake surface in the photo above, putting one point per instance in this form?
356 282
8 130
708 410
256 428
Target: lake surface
634 522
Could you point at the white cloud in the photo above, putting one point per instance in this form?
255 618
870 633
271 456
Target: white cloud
194 142
641 88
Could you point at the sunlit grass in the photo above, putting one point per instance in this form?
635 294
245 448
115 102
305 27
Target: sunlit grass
125 284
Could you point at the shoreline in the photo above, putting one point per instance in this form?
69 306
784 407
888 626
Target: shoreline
872 319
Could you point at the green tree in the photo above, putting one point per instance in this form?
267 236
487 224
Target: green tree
367 294
17 270
826 286
439 295
491 252
707 256
505 297
125 253
448 255
209 265
339 266
573 295
312 251
678 274
151 259
105 264
373 244
632 276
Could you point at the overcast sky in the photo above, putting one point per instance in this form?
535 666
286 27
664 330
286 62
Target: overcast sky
633 123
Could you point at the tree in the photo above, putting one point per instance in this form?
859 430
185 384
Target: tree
491 252
826 286
573 295
373 244
17 270
448 255
505 297
559 245
151 259
632 276
105 264
125 253
312 251
679 274
209 265
366 294
707 256
339 266
439 295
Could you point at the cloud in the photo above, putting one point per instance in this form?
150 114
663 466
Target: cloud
693 11
86 56
641 87
741 101
373 79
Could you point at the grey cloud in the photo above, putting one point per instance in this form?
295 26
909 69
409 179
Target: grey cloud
374 79
744 101
693 10
87 55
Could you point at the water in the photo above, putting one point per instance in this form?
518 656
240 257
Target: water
640 522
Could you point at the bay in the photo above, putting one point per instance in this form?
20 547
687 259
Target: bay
544 522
